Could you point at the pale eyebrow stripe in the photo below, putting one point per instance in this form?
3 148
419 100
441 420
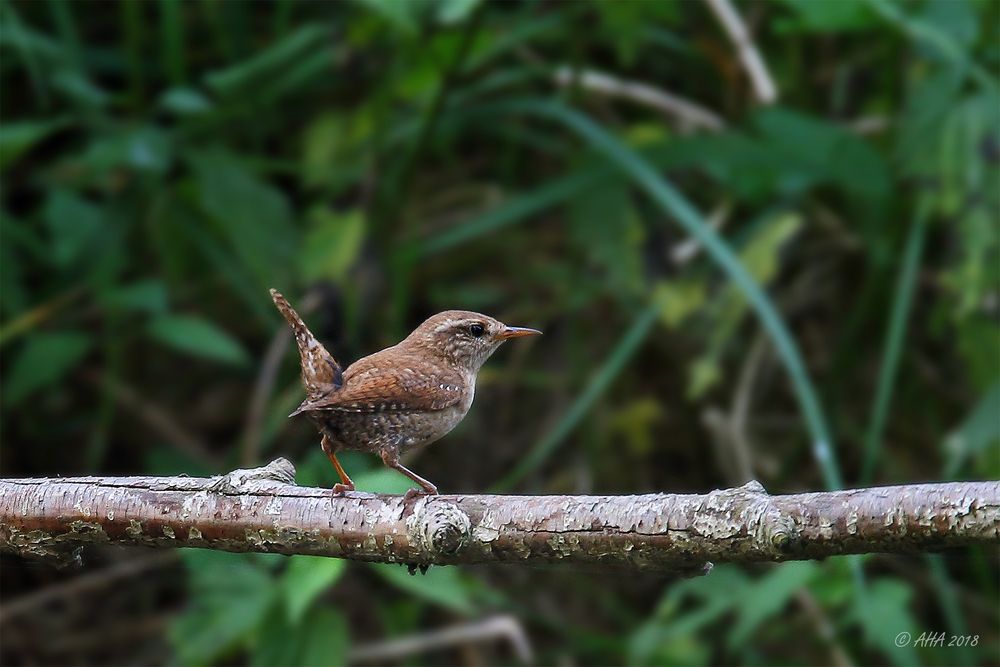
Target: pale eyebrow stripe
451 324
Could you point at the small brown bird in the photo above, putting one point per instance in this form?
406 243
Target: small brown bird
401 398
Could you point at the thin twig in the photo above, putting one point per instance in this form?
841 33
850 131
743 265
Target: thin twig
746 50
824 627
158 420
688 249
740 409
84 583
261 395
497 627
869 125
37 315
264 386
137 631
692 115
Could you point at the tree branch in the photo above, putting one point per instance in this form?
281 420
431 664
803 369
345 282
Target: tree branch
262 510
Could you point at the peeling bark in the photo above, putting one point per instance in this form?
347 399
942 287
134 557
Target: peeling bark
262 510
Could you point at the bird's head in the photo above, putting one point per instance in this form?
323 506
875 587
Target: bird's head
464 338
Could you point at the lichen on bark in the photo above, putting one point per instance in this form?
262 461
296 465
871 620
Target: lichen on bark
262 510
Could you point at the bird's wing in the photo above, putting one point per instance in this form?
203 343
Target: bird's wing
321 374
399 387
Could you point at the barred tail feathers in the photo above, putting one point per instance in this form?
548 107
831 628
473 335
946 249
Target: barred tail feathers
321 373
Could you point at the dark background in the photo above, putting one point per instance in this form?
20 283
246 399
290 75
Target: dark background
164 163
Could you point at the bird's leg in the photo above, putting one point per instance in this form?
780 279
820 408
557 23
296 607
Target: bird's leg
391 459
345 483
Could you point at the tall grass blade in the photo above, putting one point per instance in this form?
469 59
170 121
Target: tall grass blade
602 379
62 16
931 35
172 34
894 336
950 607
514 210
132 28
15 34
673 203
240 280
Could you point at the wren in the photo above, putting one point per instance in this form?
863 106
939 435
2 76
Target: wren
401 398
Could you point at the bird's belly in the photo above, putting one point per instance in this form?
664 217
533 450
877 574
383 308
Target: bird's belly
375 432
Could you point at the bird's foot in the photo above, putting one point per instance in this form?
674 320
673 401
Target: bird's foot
340 489
416 493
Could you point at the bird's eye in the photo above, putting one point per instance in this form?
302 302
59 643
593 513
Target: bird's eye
477 330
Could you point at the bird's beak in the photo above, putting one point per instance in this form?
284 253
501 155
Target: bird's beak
517 332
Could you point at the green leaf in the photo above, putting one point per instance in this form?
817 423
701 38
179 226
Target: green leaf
440 585
404 16
679 299
323 640
185 102
760 255
977 346
450 12
44 360
883 614
828 17
979 432
940 34
834 588
605 227
75 226
265 70
955 19
79 89
665 633
332 243
787 154
230 596
147 149
199 337
333 146
973 276
276 641
928 101
255 217
218 254
16 139
824 152
320 639
148 296
33 49
767 597
703 374
305 578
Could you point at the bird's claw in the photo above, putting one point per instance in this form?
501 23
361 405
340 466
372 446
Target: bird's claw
340 489
412 494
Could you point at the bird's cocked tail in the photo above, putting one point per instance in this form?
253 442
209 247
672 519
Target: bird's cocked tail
321 374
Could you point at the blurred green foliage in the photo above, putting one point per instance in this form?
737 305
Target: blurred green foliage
165 163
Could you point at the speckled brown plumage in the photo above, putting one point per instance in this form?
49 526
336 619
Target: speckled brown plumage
405 396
